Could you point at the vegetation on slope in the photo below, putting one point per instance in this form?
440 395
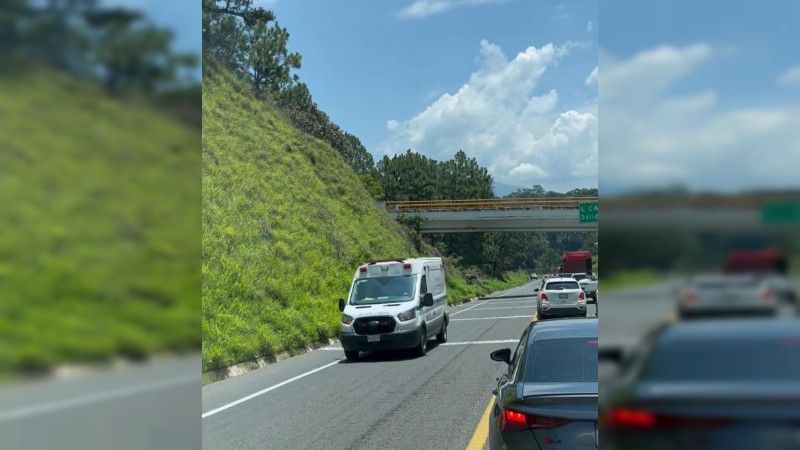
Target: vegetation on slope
100 208
285 222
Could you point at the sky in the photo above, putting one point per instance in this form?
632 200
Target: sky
182 17
508 81
700 94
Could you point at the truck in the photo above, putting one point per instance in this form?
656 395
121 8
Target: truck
576 262
578 265
771 266
588 283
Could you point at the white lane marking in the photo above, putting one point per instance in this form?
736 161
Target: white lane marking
508 307
482 303
492 318
97 397
271 388
513 303
504 341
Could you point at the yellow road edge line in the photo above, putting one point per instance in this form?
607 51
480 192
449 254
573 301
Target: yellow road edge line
481 433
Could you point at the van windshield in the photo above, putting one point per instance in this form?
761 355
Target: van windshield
371 291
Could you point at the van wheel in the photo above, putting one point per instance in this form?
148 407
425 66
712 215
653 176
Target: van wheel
351 355
442 336
422 346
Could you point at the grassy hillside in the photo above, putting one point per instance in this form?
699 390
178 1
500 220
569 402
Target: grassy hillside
99 226
285 223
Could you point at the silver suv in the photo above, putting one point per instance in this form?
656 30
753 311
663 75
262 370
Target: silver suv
562 297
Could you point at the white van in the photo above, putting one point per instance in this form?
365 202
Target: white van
395 304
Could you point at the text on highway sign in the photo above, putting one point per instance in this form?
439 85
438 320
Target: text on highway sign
588 212
780 213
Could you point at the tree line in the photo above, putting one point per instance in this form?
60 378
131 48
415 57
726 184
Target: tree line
115 47
250 42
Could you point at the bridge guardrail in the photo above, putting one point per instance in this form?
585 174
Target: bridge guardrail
490 204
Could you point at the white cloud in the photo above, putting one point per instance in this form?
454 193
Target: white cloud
589 27
561 12
421 9
652 138
790 77
592 78
498 116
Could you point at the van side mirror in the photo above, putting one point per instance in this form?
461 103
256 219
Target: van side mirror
341 304
503 355
427 299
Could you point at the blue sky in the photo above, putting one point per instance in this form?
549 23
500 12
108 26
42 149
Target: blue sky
703 94
181 16
368 63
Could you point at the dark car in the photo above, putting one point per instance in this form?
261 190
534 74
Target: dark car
731 384
548 396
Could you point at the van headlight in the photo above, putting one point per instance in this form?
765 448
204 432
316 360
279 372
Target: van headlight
347 320
407 315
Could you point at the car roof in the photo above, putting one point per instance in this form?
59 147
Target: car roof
738 329
563 328
561 279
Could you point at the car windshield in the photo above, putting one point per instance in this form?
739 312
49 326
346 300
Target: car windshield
370 291
568 360
725 359
561 285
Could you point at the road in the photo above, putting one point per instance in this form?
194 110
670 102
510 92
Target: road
148 406
394 400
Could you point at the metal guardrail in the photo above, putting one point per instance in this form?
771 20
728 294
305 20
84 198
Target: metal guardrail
490 204
694 202
606 204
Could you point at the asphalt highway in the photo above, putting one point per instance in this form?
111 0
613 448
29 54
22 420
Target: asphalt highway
394 400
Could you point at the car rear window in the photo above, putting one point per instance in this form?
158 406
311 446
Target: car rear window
562 360
725 359
561 285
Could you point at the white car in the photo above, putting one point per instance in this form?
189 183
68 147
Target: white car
588 283
562 297
723 295
395 304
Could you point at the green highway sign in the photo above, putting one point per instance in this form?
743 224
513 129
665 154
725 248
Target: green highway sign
588 212
780 213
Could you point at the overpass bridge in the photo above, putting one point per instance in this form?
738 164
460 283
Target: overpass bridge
515 214
697 213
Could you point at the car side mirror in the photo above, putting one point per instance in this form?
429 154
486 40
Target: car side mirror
613 355
427 299
503 355
535 289
341 304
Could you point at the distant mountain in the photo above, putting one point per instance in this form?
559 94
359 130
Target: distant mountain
502 189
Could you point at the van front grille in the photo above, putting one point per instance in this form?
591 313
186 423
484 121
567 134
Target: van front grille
374 325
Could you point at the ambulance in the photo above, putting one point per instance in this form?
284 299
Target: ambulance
395 304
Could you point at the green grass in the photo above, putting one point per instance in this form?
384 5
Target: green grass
628 279
99 226
285 224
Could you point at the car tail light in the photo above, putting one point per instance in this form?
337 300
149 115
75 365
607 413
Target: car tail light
689 297
512 420
544 297
582 296
625 418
